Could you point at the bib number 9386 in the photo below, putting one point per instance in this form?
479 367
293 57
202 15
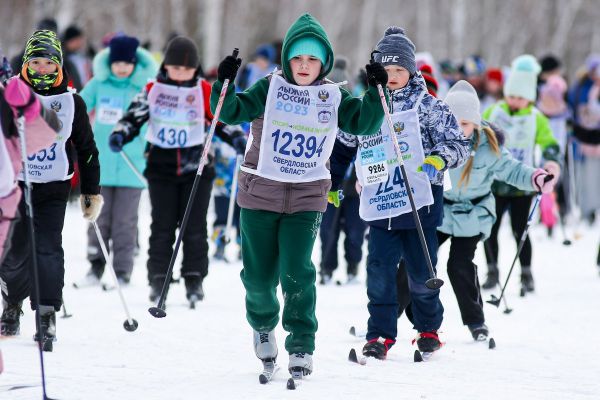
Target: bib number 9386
302 146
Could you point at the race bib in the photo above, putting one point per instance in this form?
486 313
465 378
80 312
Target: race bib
52 164
176 116
373 159
520 133
299 131
388 198
109 110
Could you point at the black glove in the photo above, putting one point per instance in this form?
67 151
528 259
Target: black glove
376 74
228 68
239 144
115 141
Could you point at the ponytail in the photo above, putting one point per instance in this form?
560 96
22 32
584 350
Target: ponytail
492 140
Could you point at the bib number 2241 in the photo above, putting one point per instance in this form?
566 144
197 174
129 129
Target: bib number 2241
302 146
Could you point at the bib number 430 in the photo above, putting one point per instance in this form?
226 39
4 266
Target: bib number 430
172 137
303 146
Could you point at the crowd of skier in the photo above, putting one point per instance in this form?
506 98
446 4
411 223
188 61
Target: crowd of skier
409 154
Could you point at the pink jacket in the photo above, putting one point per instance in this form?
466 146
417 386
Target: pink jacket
38 136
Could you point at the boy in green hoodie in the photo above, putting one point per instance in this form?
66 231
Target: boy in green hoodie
284 180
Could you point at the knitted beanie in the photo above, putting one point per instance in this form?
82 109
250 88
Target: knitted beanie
395 48
123 48
182 51
522 79
464 103
308 45
43 44
494 74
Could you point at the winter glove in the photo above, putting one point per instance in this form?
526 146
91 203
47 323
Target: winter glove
432 165
335 197
91 205
228 68
115 141
543 181
376 74
553 168
20 97
239 144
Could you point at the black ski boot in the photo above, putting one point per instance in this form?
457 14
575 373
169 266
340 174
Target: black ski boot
156 285
10 322
492 277
325 276
193 289
220 252
48 327
377 348
527 285
428 342
480 332
352 271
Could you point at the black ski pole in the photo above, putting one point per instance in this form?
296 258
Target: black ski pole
159 310
32 243
130 323
496 300
433 282
507 310
64 308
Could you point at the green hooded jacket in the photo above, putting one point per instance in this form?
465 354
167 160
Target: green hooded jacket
356 116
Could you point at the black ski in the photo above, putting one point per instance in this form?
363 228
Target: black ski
356 333
353 357
269 370
294 381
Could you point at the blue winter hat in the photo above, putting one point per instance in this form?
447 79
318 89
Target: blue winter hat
123 48
266 51
395 48
310 46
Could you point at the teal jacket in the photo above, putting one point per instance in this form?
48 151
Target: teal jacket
471 209
106 92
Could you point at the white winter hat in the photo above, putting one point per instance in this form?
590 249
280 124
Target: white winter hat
464 103
522 79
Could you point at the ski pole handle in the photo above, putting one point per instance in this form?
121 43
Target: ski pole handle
215 120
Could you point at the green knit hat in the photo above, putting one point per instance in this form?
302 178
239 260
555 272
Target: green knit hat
308 46
43 44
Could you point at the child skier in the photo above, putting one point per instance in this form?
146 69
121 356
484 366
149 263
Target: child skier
284 180
44 123
50 171
469 210
120 72
431 140
525 128
176 107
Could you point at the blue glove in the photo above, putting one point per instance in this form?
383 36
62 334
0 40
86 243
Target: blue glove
432 165
115 142
239 144
430 170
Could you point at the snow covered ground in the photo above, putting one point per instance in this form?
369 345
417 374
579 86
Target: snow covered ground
547 348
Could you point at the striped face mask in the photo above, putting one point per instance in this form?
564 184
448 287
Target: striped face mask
41 82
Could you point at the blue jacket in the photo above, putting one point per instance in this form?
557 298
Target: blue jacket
470 210
440 135
106 89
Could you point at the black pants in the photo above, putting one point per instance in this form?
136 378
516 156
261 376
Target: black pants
16 271
334 220
169 199
518 208
462 273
